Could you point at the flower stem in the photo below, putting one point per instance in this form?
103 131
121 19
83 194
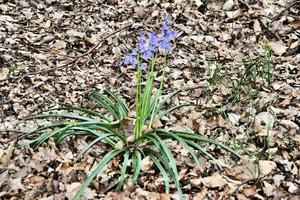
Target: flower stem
154 111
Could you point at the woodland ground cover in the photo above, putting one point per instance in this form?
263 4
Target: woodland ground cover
236 62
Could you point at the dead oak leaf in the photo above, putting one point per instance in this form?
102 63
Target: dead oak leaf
278 47
214 181
4 72
35 180
266 167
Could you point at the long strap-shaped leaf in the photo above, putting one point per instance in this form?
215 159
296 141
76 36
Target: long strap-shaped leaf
105 103
122 107
196 146
100 166
44 137
160 144
50 125
88 146
163 172
136 164
164 113
183 142
123 171
165 162
167 98
85 110
68 116
106 130
205 139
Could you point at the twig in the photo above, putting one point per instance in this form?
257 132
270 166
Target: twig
77 57
250 181
287 8
11 130
2 112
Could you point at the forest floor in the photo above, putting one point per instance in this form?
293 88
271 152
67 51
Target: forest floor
54 53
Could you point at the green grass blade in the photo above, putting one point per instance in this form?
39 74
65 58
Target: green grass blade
206 139
162 172
88 146
122 107
183 142
67 116
196 146
100 166
136 164
50 125
123 170
164 113
44 137
85 110
105 103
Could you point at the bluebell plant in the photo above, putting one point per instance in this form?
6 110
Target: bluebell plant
108 127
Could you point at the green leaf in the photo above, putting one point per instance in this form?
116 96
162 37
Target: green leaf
105 103
122 107
85 110
183 142
123 170
163 149
104 129
88 146
162 172
136 164
166 99
164 113
44 137
51 125
100 166
206 139
164 160
68 116
196 146
62 135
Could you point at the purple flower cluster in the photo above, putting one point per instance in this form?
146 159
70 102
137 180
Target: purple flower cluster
147 48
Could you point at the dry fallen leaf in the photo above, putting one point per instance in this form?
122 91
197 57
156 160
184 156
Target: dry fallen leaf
213 181
4 72
266 167
249 191
278 48
146 164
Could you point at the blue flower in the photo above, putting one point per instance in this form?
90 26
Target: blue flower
130 59
153 41
147 47
166 36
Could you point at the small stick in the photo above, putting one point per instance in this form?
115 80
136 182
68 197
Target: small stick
77 57
287 8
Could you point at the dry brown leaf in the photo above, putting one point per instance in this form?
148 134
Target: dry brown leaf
228 5
35 180
268 189
256 27
278 47
249 191
146 164
266 167
213 181
4 73
201 195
